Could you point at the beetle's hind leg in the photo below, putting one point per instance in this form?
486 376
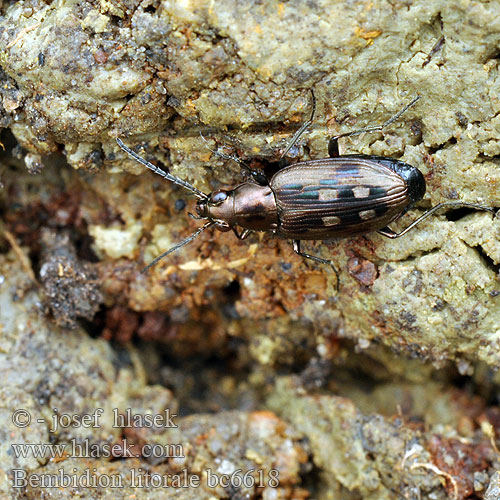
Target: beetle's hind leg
389 233
333 144
298 251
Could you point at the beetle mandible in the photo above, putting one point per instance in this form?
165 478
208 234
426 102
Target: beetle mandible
336 197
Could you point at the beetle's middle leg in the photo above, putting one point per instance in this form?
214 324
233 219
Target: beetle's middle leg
298 251
333 144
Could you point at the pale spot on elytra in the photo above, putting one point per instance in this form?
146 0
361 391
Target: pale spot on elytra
331 221
361 192
328 194
367 214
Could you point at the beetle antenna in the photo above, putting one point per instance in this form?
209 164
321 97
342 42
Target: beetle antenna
189 239
162 173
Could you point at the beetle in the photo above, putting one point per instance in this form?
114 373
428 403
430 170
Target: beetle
335 197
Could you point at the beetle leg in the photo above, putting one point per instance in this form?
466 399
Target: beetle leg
333 145
302 129
244 234
297 250
257 176
389 233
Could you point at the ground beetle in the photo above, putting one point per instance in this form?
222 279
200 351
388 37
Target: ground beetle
336 197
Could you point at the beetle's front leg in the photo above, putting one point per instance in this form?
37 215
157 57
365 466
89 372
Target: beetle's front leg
257 176
243 235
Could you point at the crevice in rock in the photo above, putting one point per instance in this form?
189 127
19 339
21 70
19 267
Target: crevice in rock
437 47
484 158
434 149
454 215
493 55
484 257
418 254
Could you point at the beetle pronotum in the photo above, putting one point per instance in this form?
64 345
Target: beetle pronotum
335 197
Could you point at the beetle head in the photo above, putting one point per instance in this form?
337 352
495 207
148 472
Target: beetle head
219 207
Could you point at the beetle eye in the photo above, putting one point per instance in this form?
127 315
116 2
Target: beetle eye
218 197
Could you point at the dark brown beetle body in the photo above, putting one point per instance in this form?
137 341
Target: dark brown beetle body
345 196
336 197
321 199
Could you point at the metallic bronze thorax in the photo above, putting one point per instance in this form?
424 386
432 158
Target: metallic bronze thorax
249 206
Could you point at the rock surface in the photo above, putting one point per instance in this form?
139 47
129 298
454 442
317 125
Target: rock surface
247 330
